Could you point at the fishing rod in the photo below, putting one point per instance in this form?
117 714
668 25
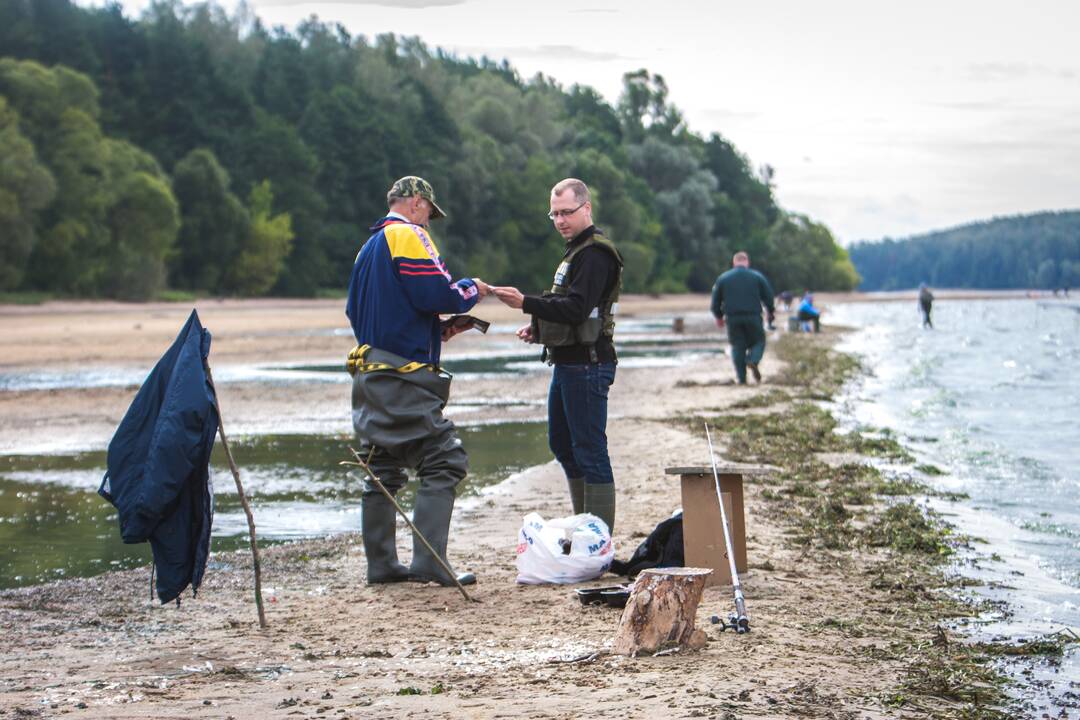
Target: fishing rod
738 620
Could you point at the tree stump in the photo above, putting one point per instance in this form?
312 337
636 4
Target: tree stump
660 612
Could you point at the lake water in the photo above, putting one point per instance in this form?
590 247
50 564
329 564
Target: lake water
992 396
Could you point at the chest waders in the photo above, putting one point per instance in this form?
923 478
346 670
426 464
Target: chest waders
599 323
397 417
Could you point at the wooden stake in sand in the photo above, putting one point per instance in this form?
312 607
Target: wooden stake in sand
243 501
660 612
360 463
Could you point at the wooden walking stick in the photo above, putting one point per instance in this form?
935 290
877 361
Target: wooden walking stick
382 488
243 501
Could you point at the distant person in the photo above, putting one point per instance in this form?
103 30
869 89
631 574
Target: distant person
926 304
786 297
809 313
737 298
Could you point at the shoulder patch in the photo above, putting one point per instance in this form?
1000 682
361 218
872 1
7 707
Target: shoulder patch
410 242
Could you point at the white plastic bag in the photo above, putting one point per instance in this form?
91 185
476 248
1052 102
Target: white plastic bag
540 556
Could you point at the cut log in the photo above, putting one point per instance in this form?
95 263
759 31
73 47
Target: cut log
660 612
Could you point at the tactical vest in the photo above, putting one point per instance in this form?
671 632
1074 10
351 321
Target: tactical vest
601 320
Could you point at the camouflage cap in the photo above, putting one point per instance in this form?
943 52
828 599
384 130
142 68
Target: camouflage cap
411 186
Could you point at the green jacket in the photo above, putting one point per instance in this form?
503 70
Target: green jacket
741 291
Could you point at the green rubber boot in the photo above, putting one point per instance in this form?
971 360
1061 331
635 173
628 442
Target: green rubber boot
378 522
432 518
600 501
577 494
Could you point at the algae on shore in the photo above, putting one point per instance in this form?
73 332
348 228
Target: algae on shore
839 510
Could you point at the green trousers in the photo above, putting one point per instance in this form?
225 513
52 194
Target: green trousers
746 334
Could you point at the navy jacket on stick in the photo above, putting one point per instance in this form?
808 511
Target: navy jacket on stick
158 474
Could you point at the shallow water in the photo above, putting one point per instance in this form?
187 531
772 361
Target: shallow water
992 396
53 523
644 342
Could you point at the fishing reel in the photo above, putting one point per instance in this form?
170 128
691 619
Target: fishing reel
739 623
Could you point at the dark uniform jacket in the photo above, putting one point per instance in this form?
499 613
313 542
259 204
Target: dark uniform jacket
741 291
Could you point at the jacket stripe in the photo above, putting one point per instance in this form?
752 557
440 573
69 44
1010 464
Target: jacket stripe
424 272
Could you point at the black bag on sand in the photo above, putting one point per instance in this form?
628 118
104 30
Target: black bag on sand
663 548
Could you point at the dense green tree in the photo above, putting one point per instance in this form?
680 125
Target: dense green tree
113 219
214 224
262 254
143 220
803 255
644 108
26 186
273 151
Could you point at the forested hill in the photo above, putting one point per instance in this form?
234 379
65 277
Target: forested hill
1041 250
194 150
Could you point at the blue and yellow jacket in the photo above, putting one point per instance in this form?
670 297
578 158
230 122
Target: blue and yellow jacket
399 286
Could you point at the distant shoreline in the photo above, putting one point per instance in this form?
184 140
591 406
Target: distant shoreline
631 301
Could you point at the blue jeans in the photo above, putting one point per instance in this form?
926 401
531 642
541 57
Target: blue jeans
577 420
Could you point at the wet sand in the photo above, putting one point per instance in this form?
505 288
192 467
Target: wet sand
98 647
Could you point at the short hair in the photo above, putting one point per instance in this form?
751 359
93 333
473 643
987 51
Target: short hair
581 190
741 257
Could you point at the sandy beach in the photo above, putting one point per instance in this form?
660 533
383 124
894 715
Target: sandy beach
99 648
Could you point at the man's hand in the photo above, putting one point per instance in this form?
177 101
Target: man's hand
482 287
450 330
720 322
452 326
510 296
525 333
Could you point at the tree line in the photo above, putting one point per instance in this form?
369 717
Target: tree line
1041 250
197 150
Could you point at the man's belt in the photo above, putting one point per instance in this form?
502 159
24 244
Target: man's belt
365 359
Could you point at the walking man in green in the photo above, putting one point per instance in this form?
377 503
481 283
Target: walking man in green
737 298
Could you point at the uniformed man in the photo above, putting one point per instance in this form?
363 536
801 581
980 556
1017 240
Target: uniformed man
737 298
399 286
575 322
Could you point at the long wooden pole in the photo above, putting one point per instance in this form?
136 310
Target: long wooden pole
243 502
378 483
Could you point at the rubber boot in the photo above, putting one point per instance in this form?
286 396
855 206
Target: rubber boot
378 523
600 501
432 519
577 494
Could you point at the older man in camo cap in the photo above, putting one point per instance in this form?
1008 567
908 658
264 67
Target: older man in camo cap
399 286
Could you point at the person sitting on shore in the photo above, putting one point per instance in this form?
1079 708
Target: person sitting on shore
808 313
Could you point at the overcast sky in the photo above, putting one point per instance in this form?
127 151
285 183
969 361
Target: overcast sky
880 118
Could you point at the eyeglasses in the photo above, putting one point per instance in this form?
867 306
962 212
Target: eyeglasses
564 213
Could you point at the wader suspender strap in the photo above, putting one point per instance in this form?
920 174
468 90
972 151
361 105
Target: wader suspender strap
357 363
